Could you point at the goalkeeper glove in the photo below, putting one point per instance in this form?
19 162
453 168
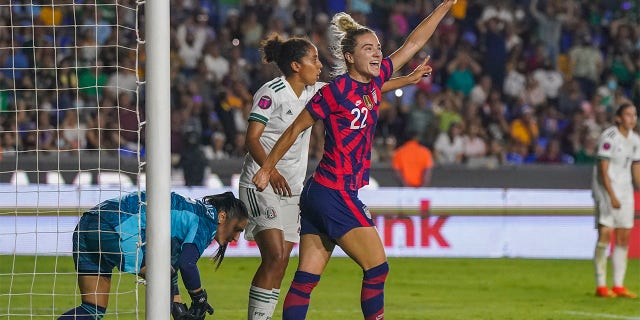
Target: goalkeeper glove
179 311
199 305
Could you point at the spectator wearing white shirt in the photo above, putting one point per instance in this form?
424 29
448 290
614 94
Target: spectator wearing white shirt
449 146
550 79
217 65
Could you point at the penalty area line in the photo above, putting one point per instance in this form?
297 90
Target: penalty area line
600 315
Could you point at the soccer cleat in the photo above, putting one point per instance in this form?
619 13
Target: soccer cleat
604 292
622 292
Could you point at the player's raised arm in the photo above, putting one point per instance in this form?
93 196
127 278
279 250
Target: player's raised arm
420 35
288 137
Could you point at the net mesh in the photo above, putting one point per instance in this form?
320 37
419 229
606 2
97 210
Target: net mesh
70 137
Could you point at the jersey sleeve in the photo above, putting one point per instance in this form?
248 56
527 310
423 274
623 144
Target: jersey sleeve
636 149
605 147
386 69
263 105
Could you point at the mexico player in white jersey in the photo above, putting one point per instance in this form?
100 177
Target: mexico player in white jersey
274 221
615 171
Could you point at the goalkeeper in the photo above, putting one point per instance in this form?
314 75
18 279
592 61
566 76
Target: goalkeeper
108 236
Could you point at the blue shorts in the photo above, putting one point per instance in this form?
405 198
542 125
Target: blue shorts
96 247
331 212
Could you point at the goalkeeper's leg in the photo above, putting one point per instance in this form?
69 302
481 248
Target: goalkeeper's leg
95 298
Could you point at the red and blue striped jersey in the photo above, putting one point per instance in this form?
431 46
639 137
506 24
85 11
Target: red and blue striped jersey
349 111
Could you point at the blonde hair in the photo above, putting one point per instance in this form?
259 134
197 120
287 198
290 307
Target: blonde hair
343 31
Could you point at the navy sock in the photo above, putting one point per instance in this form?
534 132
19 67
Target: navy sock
372 293
296 303
85 311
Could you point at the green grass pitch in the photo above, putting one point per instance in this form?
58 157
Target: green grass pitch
417 288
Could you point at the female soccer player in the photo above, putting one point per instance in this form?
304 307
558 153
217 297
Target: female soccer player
330 208
107 236
615 171
274 221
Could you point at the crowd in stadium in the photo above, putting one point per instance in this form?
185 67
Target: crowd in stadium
513 82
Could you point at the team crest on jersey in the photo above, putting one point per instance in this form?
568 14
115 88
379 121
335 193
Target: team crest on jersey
374 94
270 213
367 102
265 102
606 146
366 211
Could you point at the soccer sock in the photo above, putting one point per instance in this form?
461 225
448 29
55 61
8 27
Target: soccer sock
260 303
296 303
619 264
275 295
372 294
600 264
85 311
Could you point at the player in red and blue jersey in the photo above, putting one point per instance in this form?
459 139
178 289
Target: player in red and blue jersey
331 212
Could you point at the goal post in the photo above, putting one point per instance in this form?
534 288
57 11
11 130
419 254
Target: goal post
158 158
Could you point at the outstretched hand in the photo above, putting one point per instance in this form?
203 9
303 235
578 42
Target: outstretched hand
422 70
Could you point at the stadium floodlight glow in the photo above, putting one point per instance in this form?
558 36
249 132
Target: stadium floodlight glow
399 93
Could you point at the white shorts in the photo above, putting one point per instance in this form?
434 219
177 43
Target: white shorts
621 218
268 210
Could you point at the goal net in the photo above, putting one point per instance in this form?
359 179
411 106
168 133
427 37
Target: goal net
70 136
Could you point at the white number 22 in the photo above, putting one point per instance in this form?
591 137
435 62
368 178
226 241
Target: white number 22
360 116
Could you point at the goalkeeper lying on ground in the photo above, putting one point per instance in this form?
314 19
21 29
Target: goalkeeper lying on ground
107 236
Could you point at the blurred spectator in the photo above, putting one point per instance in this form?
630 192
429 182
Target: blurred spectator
494 117
461 72
102 133
73 133
515 82
447 106
586 63
550 21
524 128
481 90
413 163
533 94
217 65
474 145
91 81
449 146
549 78
192 159
586 154
553 154
492 32
215 150
422 120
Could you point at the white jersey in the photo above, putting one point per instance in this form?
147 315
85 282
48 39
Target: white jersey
621 152
276 105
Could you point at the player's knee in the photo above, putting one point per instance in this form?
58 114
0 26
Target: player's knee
378 273
276 262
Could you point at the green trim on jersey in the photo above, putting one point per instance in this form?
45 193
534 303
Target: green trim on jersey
279 87
277 82
258 118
